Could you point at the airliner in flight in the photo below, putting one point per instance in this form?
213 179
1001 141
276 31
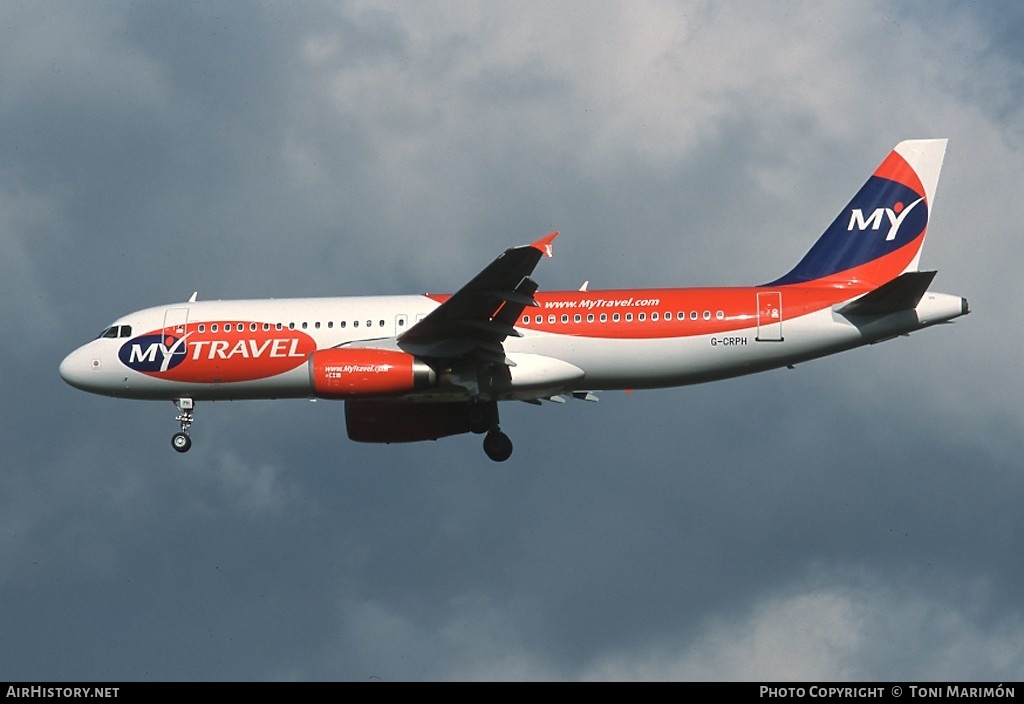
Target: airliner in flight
413 368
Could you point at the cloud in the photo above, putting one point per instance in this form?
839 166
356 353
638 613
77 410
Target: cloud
840 631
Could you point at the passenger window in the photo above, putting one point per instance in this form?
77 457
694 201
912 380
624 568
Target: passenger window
604 317
526 320
266 326
369 323
252 327
551 319
654 316
342 324
577 318
305 325
693 315
707 315
641 317
539 319
355 323
214 328
680 315
382 323
202 328
590 317
565 318
720 315
615 317
291 326
280 326
317 325
629 317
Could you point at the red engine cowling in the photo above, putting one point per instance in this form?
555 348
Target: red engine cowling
353 373
404 421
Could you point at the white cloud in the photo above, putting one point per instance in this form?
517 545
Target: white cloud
839 632
251 485
472 639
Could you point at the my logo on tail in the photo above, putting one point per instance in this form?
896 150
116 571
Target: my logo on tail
896 214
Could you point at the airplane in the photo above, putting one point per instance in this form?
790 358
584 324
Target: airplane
423 367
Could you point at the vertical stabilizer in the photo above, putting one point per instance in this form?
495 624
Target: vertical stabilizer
879 234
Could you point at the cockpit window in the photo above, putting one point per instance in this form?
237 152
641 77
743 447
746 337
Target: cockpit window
115 331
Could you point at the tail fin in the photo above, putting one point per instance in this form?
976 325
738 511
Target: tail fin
879 235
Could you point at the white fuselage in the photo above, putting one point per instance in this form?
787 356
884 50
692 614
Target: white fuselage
696 335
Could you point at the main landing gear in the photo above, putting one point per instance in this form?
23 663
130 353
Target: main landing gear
181 441
483 418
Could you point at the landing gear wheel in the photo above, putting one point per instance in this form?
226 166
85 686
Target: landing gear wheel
497 446
181 442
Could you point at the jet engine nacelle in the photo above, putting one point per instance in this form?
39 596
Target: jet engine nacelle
363 372
404 421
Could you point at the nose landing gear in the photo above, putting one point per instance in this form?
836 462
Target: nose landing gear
181 441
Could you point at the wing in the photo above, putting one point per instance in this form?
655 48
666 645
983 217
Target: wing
475 321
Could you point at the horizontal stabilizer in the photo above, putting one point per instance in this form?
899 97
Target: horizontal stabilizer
902 293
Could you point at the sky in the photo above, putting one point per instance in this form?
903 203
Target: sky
855 518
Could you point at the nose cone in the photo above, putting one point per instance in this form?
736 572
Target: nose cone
80 369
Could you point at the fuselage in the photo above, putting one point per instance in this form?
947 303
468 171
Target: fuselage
571 341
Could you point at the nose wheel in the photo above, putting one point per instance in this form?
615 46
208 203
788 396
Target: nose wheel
181 441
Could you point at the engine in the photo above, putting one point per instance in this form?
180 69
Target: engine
402 421
354 373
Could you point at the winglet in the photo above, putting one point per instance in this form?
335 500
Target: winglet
543 245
